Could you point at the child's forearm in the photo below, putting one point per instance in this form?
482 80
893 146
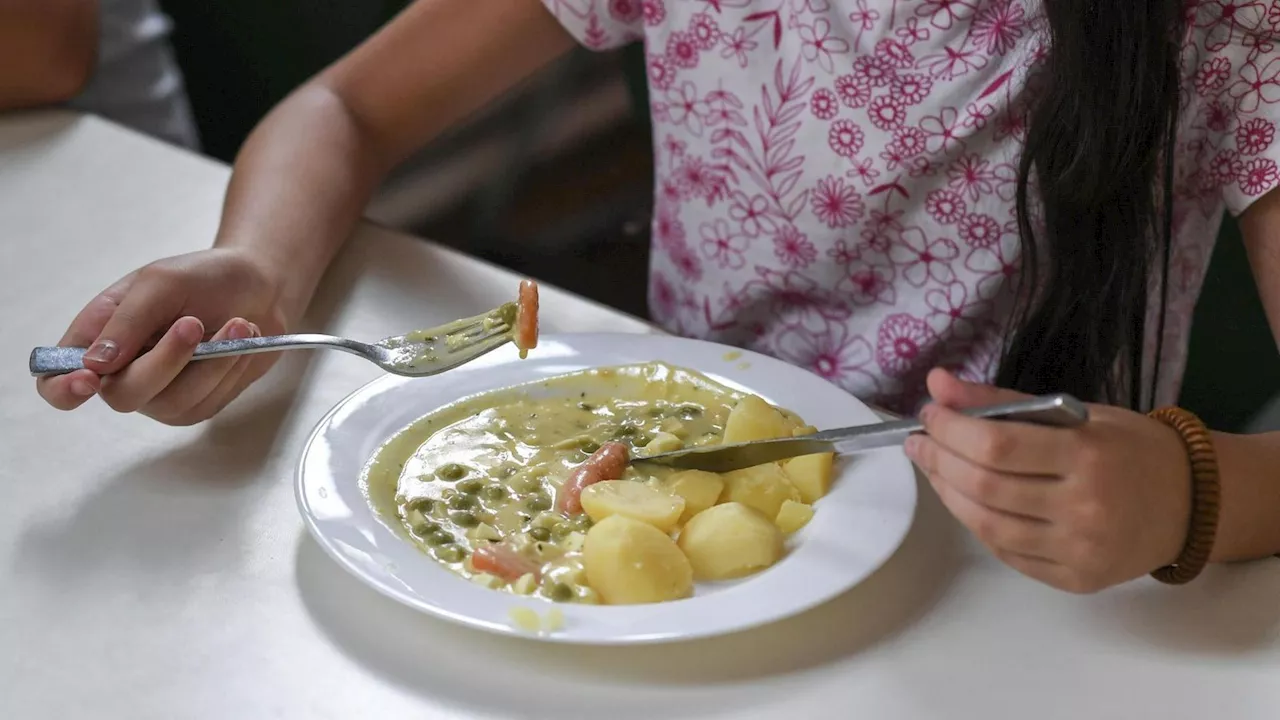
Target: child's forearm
306 173
299 186
1249 519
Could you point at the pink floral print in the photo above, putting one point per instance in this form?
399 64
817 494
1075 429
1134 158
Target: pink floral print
836 178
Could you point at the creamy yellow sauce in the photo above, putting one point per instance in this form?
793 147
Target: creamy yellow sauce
488 468
419 349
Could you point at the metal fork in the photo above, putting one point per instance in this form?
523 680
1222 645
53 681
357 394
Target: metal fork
415 354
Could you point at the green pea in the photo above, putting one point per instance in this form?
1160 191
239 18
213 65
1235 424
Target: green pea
588 446
464 519
559 592
586 406
506 471
538 503
421 504
656 411
470 487
540 534
494 493
626 431
438 537
689 412
640 441
419 524
581 523
525 484
560 530
451 554
451 472
462 502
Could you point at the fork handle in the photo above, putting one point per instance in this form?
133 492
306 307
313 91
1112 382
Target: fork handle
62 360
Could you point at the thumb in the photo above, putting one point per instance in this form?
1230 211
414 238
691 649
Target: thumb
950 391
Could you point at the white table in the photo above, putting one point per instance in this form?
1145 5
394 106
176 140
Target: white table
154 572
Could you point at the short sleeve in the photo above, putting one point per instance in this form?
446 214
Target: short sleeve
602 24
1234 101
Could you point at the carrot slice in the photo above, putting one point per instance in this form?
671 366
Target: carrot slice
526 337
503 562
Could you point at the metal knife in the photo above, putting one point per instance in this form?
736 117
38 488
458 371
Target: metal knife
1052 410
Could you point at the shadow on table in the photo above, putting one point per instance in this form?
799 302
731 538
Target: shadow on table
172 513
472 668
1227 611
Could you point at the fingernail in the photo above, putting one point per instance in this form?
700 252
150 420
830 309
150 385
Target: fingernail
912 446
82 388
257 331
190 331
103 351
926 413
240 331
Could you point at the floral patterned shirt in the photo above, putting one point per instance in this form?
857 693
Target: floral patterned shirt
835 178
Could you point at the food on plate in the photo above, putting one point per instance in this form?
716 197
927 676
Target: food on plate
634 500
698 488
730 541
525 329
754 419
764 488
793 516
810 474
530 490
630 562
608 462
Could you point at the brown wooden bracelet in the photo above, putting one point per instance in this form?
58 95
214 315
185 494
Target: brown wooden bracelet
1205 496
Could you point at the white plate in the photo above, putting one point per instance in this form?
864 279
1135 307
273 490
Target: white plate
857 527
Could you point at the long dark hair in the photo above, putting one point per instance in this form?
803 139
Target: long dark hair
1099 145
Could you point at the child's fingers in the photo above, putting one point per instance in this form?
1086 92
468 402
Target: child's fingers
174 403
70 391
234 383
144 378
150 304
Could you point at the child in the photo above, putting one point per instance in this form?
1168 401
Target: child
1022 193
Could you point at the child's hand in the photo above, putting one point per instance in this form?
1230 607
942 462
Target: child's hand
174 303
1080 509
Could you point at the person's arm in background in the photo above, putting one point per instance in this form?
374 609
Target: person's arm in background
48 49
308 170
298 188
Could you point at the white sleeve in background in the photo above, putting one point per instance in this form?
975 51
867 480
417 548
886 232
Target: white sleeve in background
137 82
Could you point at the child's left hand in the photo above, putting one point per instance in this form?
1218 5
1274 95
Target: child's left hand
1081 509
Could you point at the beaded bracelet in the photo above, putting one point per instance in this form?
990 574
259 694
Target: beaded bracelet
1205 494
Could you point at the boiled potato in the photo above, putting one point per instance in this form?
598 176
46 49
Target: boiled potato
699 489
793 516
663 442
635 500
730 541
764 487
630 562
754 419
811 474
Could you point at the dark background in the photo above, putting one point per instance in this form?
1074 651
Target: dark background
579 218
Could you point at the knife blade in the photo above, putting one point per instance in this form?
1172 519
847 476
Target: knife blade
1057 410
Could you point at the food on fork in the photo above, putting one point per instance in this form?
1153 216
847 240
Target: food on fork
528 490
525 328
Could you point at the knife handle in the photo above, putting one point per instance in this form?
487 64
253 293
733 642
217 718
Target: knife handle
1058 410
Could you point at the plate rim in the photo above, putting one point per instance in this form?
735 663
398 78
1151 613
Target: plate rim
321 538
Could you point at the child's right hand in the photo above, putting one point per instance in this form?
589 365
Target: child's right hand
174 304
